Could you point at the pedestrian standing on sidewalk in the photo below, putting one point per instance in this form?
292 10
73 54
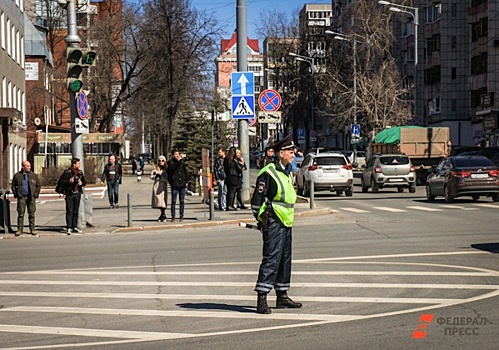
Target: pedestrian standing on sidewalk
72 180
112 174
159 198
272 204
177 176
234 171
219 173
26 188
240 165
134 165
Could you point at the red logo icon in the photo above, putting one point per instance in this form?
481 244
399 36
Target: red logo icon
421 331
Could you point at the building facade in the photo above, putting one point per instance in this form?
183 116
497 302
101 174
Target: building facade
12 90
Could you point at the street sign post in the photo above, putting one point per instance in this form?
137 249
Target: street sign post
243 98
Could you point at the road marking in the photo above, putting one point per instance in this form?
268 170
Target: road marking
485 205
449 206
393 210
252 284
355 210
424 208
252 273
222 297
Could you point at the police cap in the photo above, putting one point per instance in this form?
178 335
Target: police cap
284 144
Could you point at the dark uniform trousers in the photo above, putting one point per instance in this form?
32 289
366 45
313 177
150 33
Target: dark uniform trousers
72 206
275 269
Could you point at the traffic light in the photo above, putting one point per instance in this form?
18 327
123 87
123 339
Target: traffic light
75 69
88 58
77 60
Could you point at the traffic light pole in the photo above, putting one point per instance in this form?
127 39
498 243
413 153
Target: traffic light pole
242 66
73 41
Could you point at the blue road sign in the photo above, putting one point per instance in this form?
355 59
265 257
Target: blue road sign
300 133
82 105
243 107
242 83
355 130
243 95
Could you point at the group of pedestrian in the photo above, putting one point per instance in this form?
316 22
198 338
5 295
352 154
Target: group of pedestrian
272 204
229 177
173 172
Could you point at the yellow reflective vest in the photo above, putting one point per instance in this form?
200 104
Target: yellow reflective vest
284 201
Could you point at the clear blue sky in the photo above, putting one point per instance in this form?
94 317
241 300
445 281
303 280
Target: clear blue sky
226 10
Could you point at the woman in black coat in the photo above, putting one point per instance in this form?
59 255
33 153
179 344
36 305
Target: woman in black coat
234 171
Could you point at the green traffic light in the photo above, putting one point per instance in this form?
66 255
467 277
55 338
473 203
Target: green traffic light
89 58
75 85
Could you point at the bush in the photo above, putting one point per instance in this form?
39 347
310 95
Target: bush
50 176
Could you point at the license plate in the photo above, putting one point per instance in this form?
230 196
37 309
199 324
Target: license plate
396 180
331 170
479 176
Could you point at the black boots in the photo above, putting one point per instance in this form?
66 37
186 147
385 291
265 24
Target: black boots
261 306
283 301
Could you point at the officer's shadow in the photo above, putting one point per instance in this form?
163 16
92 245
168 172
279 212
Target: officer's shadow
215 306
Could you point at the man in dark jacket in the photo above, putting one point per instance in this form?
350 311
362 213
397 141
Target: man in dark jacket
220 176
177 177
112 174
26 188
73 181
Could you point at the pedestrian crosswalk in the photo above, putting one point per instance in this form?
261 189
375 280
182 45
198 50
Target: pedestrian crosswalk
138 304
362 209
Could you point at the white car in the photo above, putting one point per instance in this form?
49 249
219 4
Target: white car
330 171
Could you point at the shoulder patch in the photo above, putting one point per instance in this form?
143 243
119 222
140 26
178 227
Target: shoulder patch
261 187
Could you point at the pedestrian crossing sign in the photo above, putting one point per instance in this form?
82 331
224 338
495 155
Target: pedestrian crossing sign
243 107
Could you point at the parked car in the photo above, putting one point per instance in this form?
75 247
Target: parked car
388 170
330 171
458 176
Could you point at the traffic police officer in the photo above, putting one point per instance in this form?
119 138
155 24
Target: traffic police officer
273 206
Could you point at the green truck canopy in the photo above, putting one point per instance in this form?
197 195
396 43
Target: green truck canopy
391 136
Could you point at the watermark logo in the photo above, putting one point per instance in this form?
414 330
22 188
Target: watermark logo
422 330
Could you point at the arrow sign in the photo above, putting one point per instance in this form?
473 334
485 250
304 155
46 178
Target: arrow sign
242 83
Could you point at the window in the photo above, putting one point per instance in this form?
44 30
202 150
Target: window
432 75
433 44
476 97
453 73
453 41
479 29
433 13
479 64
2 29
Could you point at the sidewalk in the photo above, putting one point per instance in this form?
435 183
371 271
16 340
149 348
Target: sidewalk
51 220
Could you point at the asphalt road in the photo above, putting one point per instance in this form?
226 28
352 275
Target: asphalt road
366 274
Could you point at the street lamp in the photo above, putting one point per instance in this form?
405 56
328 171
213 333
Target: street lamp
345 37
414 12
310 61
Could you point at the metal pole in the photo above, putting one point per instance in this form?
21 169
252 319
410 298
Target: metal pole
73 40
129 209
312 194
212 204
242 66
416 24
354 144
312 72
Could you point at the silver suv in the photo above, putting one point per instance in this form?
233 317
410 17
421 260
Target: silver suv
330 171
389 170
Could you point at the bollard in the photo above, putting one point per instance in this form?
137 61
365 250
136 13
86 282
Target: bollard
129 209
312 194
89 209
212 204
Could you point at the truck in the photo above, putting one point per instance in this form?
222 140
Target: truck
425 146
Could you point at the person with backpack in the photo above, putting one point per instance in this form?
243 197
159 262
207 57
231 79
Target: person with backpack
219 173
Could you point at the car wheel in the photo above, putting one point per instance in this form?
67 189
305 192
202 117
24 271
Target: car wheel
429 196
364 187
495 198
306 188
449 198
400 189
374 186
475 198
349 192
339 193
412 188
